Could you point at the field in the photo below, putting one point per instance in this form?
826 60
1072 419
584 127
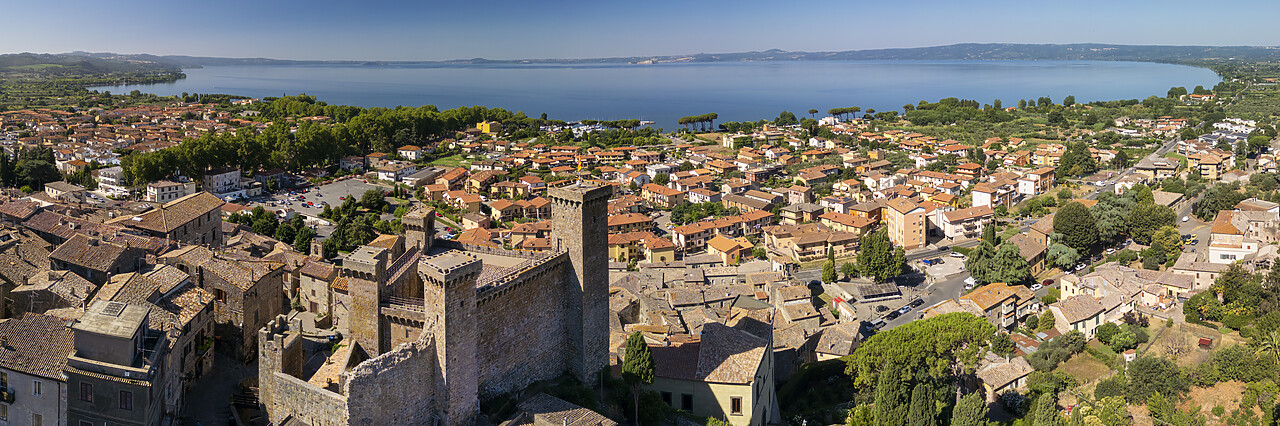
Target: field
1085 368
450 161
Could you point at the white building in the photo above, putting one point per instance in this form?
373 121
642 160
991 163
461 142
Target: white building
111 181
166 190
224 183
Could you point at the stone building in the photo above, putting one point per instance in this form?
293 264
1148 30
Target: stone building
247 293
32 357
470 322
193 219
115 370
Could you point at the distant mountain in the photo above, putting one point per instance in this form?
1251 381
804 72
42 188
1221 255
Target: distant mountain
79 65
965 51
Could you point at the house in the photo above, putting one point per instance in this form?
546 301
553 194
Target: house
94 259
1002 304
799 213
32 361
1158 169
165 191
906 223
703 195
410 152
857 225
224 182
247 292
797 194
63 191
660 196
393 171
730 250
116 366
1003 376
640 245
1036 182
744 203
1081 313
1031 249
725 373
1227 241
966 223
193 219
629 222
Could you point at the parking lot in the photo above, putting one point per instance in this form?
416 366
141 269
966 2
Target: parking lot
331 193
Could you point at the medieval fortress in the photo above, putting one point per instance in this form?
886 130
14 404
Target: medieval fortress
431 327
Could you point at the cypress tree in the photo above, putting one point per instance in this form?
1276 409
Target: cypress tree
971 411
891 397
921 412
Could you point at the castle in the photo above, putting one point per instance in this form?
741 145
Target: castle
434 326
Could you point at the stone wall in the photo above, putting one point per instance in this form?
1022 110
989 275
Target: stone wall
526 254
395 387
306 402
523 334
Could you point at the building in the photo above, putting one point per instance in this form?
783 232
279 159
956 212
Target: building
247 293
64 191
1002 304
1227 241
166 190
1003 376
1036 182
32 359
410 152
725 373
730 250
223 183
660 196
1080 313
966 223
95 260
906 223
114 376
420 348
111 181
193 219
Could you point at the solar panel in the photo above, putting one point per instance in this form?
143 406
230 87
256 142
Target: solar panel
113 309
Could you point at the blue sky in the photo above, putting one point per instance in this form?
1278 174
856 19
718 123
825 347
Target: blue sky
504 29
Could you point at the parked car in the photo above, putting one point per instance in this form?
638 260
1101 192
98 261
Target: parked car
1186 218
892 316
917 302
1080 267
905 309
970 282
1036 286
1111 250
882 308
1048 282
956 254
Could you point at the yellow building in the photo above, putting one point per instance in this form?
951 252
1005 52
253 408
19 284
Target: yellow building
489 127
727 374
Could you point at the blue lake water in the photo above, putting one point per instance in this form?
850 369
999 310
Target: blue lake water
737 91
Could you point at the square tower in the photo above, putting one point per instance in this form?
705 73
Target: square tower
419 227
449 282
580 226
365 270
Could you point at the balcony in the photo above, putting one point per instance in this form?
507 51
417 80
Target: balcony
6 395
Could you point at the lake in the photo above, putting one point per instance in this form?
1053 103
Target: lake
737 91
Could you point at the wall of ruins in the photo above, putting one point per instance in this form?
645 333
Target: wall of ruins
522 330
395 387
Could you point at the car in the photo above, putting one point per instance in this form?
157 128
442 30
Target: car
1035 287
892 315
917 302
1047 282
1186 218
882 308
956 254
1111 250
970 282
944 248
875 324
1080 267
905 309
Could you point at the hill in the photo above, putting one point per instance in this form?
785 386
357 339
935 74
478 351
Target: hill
63 65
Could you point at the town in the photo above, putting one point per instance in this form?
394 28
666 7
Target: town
170 261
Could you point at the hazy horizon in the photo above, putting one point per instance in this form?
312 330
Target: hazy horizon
506 29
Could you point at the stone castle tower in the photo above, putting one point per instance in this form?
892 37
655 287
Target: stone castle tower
580 226
449 280
365 269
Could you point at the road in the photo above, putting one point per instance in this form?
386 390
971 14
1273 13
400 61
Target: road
1157 154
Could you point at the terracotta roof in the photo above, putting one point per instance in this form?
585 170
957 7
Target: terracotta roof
1222 224
1000 374
723 355
36 344
545 409
992 294
176 213
91 253
1078 308
969 213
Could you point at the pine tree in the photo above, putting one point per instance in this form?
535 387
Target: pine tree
922 405
1046 411
891 397
971 411
1008 266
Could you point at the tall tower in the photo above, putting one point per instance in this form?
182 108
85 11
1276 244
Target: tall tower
449 282
419 228
365 270
580 226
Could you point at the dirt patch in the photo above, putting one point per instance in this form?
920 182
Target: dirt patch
1180 343
1226 394
1085 368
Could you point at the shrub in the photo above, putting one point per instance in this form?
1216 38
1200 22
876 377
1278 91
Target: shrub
1219 411
1106 331
1112 386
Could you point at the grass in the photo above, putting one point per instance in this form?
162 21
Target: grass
450 161
1085 368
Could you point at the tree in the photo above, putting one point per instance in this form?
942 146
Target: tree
1121 160
1046 321
1268 342
1141 194
828 272
1045 412
1008 266
979 261
1077 161
1062 256
1219 197
1123 341
1068 101
372 200
1106 331
662 179
1056 118
1001 344
1077 226
878 258
812 111
1150 375
1146 218
937 348
891 403
1153 257
1169 238
921 411
970 411
786 118
637 366
1022 103
848 269
760 253
302 240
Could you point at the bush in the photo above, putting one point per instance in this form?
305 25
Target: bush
1219 411
1236 322
1123 341
1112 386
1106 331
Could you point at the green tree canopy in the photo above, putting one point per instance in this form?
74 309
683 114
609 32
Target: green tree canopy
1008 266
939 347
1077 226
878 258
1146 218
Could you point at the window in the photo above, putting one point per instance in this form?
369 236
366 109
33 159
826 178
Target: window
666 398
86 392
686 402
4 412
35 387
126 400
84 423
37 420
735 406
